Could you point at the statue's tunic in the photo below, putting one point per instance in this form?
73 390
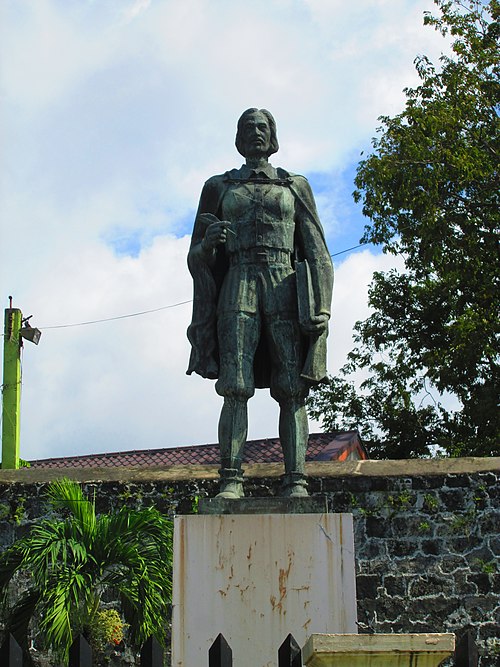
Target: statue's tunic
245 301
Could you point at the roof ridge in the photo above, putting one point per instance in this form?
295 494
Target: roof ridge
126 452
320 446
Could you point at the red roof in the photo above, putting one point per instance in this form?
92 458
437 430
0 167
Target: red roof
321 447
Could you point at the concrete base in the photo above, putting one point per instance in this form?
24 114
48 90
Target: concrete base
317 504
257 578
411 650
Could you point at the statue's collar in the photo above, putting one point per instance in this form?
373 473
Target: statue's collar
245 172
260 175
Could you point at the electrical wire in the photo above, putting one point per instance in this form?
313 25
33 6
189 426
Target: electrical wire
354 247
118 317
155 310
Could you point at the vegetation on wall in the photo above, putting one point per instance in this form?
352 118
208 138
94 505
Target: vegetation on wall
431 190
67 565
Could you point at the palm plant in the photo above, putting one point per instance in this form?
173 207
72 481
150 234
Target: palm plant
71 562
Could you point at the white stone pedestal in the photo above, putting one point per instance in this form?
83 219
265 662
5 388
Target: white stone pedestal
410 650
257 578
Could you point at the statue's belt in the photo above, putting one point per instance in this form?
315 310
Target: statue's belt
260 256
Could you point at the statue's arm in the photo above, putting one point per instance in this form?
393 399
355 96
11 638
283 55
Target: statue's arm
199 250
202 263
209 231
312 246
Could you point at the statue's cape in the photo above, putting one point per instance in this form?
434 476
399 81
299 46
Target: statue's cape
208 278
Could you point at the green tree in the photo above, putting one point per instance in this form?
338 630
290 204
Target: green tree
431 191
69 563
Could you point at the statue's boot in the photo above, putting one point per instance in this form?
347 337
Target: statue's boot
233 427
294 485
231 483
294 432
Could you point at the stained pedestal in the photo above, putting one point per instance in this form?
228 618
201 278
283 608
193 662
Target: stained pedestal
255 578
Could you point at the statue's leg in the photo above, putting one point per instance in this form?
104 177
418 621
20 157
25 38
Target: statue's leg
290 390
238 338
294 432
233 427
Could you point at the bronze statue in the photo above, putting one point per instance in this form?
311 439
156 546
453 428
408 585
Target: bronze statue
263 281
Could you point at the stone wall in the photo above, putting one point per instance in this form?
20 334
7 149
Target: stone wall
427 533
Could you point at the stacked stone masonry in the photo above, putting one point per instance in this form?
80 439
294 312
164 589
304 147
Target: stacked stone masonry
427 546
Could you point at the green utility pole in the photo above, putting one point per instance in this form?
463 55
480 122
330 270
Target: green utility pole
11 408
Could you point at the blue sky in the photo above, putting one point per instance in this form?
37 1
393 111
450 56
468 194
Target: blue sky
113 115
333 193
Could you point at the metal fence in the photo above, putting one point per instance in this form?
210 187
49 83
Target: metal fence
80 654
219 655
290 654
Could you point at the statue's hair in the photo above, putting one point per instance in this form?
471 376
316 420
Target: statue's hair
240 143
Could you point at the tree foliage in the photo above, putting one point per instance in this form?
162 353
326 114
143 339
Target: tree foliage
71 562
431 190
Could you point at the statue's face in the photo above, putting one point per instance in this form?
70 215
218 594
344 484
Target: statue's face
256 135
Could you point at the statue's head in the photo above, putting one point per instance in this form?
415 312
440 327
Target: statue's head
245 117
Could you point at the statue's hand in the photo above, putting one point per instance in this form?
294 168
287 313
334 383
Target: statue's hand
216 234
316 325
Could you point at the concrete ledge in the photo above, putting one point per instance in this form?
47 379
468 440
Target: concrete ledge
384 650
396 468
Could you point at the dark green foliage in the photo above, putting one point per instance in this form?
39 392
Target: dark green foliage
70 563
431 189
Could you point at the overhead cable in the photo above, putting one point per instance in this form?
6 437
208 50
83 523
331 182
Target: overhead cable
118 317
155 310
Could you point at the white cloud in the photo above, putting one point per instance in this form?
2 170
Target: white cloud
137 8
122 384
113 115
350 302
